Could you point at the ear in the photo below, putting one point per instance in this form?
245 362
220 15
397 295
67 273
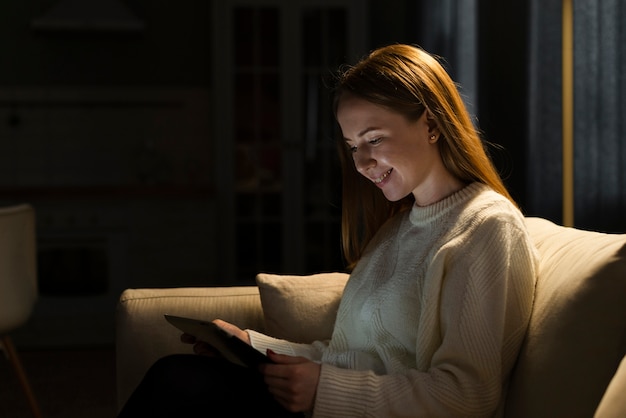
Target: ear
433 128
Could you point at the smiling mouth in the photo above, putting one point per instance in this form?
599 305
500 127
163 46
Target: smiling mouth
384 176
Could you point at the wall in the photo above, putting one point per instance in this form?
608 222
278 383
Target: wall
107 134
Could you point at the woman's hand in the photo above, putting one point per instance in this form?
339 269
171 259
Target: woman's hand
233 329
292 381
199 347
205 349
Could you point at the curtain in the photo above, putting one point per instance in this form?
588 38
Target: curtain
599 113
544 144
449 29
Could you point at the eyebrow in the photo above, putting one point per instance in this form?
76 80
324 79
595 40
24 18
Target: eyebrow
363 132
366 130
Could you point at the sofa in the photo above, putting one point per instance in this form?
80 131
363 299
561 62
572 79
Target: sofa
571 364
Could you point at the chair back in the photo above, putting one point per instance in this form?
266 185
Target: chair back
18 266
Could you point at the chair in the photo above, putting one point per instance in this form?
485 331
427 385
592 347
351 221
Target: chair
18 283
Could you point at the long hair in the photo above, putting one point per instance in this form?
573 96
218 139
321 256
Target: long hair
408 80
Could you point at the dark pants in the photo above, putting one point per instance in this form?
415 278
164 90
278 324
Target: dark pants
200 386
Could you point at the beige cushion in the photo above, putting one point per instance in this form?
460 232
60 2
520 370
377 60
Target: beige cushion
300 308
577 333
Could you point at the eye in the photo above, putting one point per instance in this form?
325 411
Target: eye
376 141
351 148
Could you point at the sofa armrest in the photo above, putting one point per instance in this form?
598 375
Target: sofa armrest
143 335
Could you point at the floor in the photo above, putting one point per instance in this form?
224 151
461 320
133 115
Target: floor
68 383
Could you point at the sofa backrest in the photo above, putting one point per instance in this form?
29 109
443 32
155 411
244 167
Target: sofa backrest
577 333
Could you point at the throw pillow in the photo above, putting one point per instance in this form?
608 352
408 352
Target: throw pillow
300 308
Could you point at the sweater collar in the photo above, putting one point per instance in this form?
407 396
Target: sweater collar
421 215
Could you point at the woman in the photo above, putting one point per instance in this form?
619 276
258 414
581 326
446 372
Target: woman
440 294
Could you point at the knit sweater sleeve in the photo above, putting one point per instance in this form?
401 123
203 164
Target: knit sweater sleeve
479 296
262 343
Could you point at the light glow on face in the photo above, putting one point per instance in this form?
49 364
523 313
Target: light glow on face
388 149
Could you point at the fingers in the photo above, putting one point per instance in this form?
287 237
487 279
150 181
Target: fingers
283 391
285 359
199 347
233 330
188 339
204 349
292 380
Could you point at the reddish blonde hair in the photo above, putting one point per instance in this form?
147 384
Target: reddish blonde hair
408 80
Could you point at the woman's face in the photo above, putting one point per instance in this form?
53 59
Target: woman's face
397 155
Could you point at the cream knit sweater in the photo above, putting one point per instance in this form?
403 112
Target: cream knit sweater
433 315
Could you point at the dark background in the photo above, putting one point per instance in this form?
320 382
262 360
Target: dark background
110 135
174 50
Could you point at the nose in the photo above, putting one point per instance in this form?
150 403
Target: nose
363 160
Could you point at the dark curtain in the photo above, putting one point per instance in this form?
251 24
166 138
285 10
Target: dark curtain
599 113
544 144
449 29
600 110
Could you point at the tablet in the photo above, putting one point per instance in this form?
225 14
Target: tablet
229 346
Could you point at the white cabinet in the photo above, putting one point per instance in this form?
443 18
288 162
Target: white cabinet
277 175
